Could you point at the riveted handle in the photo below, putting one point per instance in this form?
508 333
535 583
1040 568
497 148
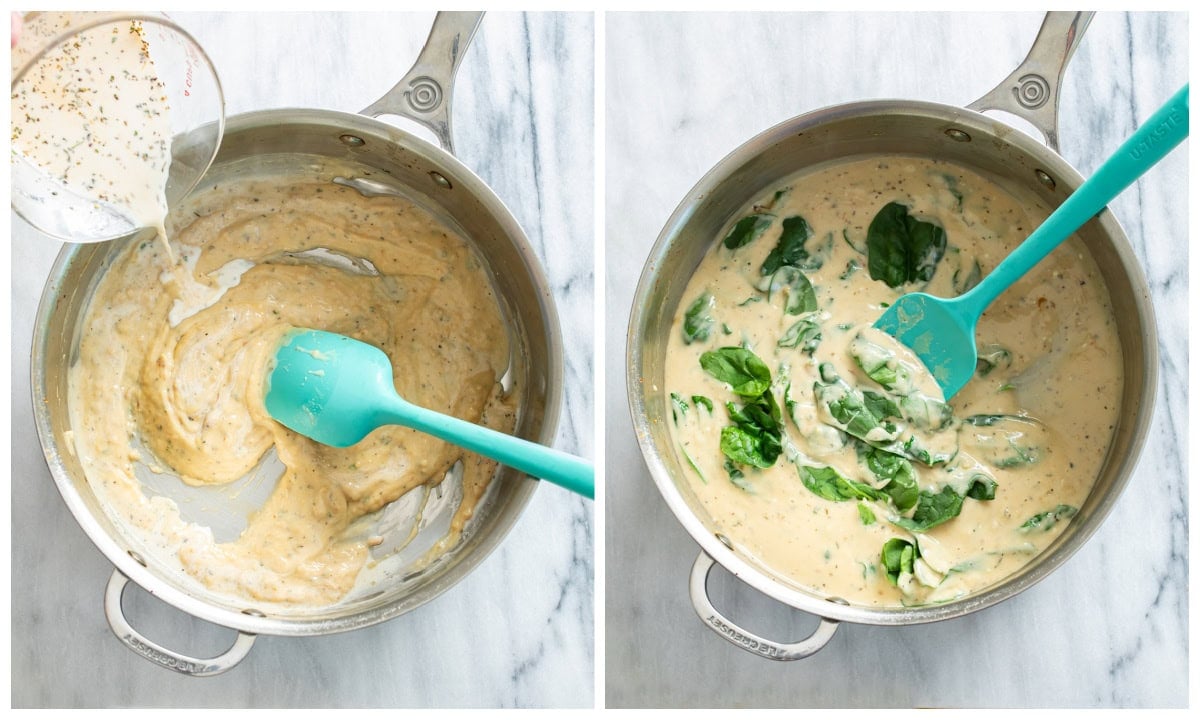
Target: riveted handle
745 639
1031 91
155 653
423 95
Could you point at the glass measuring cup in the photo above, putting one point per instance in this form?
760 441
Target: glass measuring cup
115 117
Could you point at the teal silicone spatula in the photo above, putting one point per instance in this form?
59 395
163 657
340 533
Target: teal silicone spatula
336 390
941 331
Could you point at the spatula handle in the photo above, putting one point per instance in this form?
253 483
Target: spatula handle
1153 140
568 471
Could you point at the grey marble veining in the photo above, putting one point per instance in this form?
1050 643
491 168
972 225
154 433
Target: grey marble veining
1109 627
519 630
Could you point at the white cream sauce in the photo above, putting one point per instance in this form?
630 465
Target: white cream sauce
1055 366
92 114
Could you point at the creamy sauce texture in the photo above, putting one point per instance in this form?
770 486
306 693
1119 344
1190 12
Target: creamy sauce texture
92 114
173 356
1033 425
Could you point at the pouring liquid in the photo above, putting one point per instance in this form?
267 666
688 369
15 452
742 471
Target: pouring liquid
92 114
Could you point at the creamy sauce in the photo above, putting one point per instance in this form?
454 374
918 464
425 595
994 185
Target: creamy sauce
172 360
92 114
1051 366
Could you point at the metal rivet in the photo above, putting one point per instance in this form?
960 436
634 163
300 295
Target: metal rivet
138 558
254 613
1045 179
958 135
724 541
440 179
352 140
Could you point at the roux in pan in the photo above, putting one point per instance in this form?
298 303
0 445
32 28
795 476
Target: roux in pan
172 360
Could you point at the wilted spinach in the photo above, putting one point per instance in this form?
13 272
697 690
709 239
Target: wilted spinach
898 472
698 321
805 334
679 407
740 368
828 483
748 229
791 248
902 249
933 509
756 437
1043 521
897 558
801 297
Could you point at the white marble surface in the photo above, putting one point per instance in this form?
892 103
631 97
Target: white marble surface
519 630
1108 628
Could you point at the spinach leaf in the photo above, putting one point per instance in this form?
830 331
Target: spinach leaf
926 412
748 229
897 558
900 477
790 249
697 321
737 477
851 267
952 186
805 333
902 249
859 414
865 514
855 248
992 356
756 437
740 368
700 400
1005 441
881 364
770 204
982 487
801 298
679 407
962 281
828 483
933 509
692 463
1043 521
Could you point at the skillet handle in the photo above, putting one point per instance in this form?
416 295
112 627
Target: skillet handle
745 639
423 95
155 653
1031 92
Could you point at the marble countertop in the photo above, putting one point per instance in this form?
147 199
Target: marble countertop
517 631
1109 627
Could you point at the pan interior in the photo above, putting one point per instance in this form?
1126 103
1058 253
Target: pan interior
840 134
372 159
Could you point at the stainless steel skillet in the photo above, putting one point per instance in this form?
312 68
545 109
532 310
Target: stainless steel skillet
373 157
964 136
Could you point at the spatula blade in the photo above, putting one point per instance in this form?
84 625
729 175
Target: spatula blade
938 333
